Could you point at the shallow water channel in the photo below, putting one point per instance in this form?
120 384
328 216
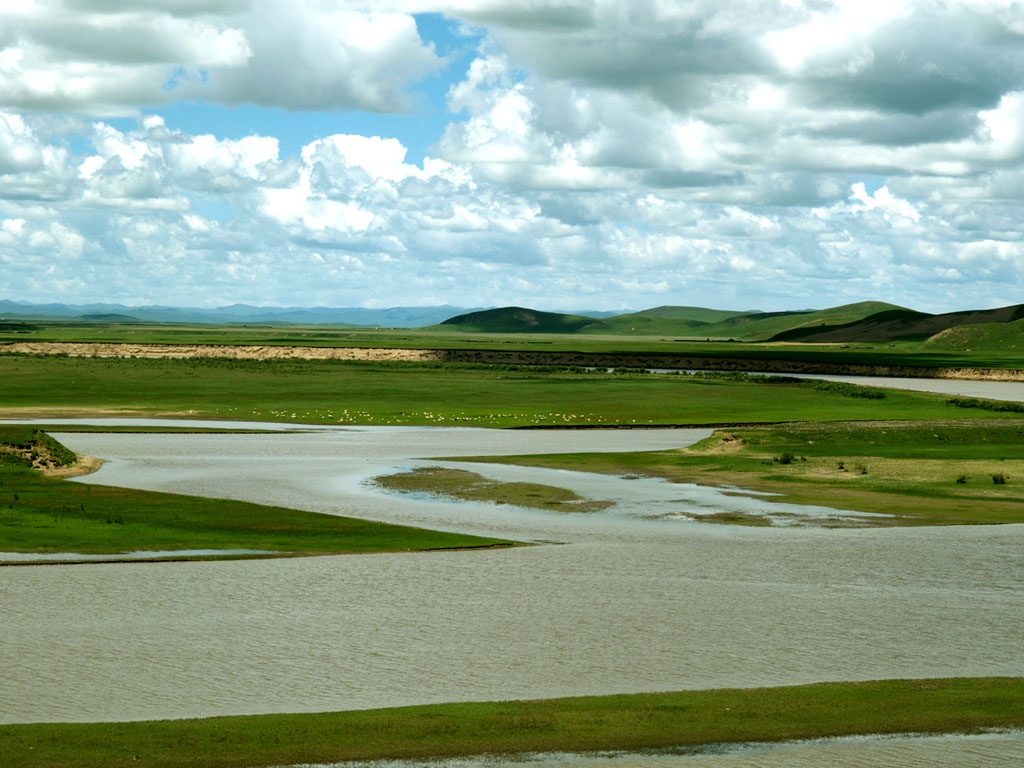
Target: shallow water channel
985 750
626 602
992 390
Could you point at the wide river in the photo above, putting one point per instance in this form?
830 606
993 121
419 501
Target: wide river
637 598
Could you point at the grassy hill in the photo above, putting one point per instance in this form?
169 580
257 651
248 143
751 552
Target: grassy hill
686 322
108 317
768 325
694 322
901 325
664 320
515 320
980 337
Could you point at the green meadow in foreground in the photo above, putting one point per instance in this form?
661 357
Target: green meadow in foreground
625 722
343 392
923 473
42 514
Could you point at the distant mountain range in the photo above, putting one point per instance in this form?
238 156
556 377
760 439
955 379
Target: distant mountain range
866 321
391 317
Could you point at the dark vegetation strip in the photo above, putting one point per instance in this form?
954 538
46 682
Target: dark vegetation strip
986 405
45 515
806 360
625 722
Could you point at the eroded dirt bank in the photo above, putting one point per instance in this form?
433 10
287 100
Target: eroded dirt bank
504 357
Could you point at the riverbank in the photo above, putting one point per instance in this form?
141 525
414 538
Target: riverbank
508 357
592 723
44 515
84 465
951 472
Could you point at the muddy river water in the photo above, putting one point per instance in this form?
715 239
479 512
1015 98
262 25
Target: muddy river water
637 598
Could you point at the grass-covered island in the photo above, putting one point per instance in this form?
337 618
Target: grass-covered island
624 722
469 486
44 514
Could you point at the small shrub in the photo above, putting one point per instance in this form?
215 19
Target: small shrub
862 469
999 479
786 458
845 390
986 405
840 466
961 480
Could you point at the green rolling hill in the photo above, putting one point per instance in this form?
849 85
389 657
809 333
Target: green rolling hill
108 317
693 322
665 320
683 322
772 326
982 337
515 320
900 325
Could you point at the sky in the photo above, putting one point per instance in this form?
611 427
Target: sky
557 154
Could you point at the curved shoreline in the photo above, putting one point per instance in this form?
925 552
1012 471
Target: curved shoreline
506 357
85 465
588 724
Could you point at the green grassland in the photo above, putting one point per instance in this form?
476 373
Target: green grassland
651 341
981 337
40 514
343 392
923 473
867 332
635 722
